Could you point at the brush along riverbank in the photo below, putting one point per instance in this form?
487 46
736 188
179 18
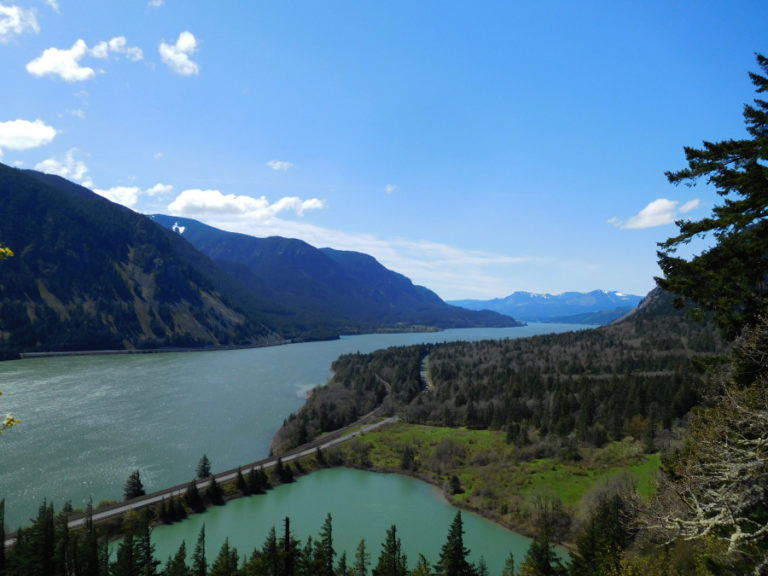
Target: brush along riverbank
479 471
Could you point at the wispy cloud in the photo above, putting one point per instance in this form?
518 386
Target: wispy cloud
66 63
389 188
117 45
660 212
125 195
23 134
280 165
54 5
15 20
69 166
177 56
196 202
159 189
155 3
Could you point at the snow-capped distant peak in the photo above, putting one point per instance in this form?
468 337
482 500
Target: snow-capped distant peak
179 229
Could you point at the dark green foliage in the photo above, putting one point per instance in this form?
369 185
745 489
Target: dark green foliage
47 547
214 492
258 483
362 560
361 382
133 486
331 291
631 378
392 560
730 277
199 561
226 562
602 540
193 498
241 484
453 555
204 467
178 566
284 472
90 274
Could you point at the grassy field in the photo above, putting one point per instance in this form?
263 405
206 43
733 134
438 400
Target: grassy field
478 470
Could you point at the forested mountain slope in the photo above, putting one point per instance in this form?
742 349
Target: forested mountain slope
89 274
351 291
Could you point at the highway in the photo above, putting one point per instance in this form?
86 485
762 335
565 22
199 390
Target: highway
329 440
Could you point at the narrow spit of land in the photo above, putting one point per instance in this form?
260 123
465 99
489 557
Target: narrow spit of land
367 423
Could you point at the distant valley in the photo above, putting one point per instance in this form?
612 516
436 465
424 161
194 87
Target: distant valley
596 307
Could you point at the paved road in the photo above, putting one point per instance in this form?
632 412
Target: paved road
328 441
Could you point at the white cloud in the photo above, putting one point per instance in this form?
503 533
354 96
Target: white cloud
451 271
77 112
159 189
279 165
62 63
15 20
176 56
213 202
125 195
23 134
53 4
68 167
389 188
155 3
117 45
660 212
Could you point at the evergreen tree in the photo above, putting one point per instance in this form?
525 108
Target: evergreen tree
145 548
392 560
178 566
326 553
226 562
289 550
422 567
541 559
203 467
241 484
509 566
214 492
199 562
362 560
453 555
193 498
341 567
605 535
133 486
730 277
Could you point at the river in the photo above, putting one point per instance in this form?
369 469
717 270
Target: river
89 421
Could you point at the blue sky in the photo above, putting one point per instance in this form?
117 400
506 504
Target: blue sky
477 147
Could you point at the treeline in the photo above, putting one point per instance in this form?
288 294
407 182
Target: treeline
386 379
49 548
634 378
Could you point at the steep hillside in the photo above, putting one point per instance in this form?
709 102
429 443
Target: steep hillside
352 291
633 377
596 307
89 274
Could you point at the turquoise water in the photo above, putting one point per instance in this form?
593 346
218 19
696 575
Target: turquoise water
362 505
89 421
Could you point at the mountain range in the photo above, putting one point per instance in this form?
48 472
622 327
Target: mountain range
596 307
89 274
